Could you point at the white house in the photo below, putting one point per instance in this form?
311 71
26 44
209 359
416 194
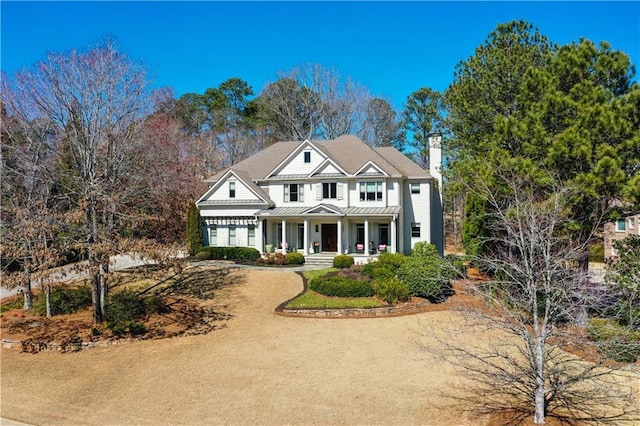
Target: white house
332 196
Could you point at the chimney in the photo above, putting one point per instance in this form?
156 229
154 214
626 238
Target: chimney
435 159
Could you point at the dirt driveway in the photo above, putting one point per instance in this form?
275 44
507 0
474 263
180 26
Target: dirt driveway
260 369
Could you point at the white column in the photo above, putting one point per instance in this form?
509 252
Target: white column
260 236
347 243
305 241
339 236
366 237
284 235
393 235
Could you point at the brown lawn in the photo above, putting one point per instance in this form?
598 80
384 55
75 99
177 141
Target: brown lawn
259 368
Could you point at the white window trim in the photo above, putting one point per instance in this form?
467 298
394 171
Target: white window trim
376 183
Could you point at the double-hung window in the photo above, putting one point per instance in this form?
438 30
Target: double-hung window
213 235
621 225
232 235
329 190
251 235
370 191
293 192
232 189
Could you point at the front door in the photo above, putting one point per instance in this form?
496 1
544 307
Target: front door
329 237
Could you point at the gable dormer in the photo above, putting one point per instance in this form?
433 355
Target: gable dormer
301 162
233 187
370 169
328 168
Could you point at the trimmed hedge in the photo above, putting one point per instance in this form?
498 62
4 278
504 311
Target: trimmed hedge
295 258
227 253
341 287
342 261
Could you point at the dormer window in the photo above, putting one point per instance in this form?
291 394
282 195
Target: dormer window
232 189
307 156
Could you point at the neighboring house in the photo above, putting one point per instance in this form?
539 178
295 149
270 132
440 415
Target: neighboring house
619 230
335 196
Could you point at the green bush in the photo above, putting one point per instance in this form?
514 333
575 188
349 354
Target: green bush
64 300
342 261
341 287
391 290
391 261
377 272
423 249
596 253
129 327
295 258
614 340
127 306
194 229
227 253
458 267
428 278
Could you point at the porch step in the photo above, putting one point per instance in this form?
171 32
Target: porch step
326 261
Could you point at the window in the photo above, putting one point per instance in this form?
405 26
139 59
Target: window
632 223
232 190
293 192
307 156
252 235
360 233
415 188
213 235
300 235
383 237
370 191
329 190
232 235
621 225
415 230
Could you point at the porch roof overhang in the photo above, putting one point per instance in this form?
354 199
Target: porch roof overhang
329 210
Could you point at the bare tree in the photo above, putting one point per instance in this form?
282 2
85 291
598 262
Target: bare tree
314 102
93 101
536 291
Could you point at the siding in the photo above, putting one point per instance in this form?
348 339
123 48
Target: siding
296 164
242 192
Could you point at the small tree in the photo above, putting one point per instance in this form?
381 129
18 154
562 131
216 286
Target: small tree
623 279
194 229
535 290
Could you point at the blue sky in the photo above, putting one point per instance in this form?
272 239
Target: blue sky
393 48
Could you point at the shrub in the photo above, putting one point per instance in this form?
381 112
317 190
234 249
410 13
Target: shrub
295 258
227 253
391 290
342 261
423 250
194 229
428 278
457 265
130 327
391 261
614 340
341 287
127 306
64 300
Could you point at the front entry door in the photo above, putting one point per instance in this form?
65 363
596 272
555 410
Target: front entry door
329 237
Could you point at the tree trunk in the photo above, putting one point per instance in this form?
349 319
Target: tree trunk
48 300
28 296
96 299
104 288
539 394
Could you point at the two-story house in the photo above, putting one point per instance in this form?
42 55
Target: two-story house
335 196
619 230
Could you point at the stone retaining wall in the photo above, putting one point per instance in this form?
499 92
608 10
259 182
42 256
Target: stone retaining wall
385 311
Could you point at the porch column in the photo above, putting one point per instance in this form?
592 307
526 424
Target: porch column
284 235
393 235
347 226
339 236
305 241
260 236
366 237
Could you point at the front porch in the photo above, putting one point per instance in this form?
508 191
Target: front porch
328 230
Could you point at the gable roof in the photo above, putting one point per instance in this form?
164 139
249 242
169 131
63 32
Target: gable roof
401 162
243 177
347 152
